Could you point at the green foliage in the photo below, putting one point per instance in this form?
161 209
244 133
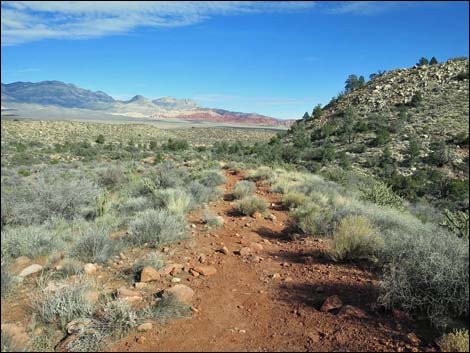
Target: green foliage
100 139
305 116
423 61
96 246
457 223
353 82
176 145
294 199
456 341
243 188
416 99
251 204
355 239
176 201
433 61
413 151
168 307
381 194
156 228
212 220
7 280
317 112
212 178
344 161
439 155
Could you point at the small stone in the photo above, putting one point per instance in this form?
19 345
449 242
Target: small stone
175 280
352 312
245 251
140 285
276 276
122 256
257 215
32 269
314 337
78 325
181 292
165 249
149 274
288 279
202 258
256 247
205 270
141 339
412 338
145 327
242 331
224 251
194 273
128 294
331 303
254 258
89 268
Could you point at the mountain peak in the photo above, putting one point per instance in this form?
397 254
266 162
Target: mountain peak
175 103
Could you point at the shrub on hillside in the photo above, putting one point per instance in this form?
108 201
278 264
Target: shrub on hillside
261 173
111 176
157 227
201 194
212 178
243 188
312 220
355 239
251 204
30 241
134 204
212 220
176 201
456 341
294 199
381 194
96 246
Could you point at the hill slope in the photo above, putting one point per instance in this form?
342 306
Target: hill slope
409 126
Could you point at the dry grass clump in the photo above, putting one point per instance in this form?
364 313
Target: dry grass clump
251 204
456 341
243 188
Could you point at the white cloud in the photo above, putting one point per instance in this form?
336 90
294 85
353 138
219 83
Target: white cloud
26 21
366 8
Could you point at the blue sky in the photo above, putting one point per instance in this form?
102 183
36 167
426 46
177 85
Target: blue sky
278 59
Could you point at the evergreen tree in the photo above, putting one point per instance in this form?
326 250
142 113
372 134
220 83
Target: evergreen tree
351 83
100 139
349 122
423 61
317 112
413 151
306 116
433 61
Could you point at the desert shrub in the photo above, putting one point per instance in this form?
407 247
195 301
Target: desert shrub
71 267
381 194
30 241
117 319
165 309
212 220
176 201
201 194
294 199
261 173
457 223
456 341
168 175
355 239
157 227
134 204
243 188
251 204
62 305
111 177
96 246
311 219
427 272
176 145
154 260
212 178
7 280
28 202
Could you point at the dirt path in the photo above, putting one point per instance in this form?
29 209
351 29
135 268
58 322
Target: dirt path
270 300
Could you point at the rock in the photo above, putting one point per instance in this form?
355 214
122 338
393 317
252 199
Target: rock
254 258
352 312
276 276
89 268
140 285
257 215
32 269
225 251
256 247
205 270
271 217
172 269
413 339
63 345
331 303
145 327
202 258
149 274
175 280
182 293
149 160
288 279
78 326
314 337
245 251
22 261
194 273
141 339
128 294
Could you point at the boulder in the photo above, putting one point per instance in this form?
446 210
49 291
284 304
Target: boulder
149 274
331 303
205 270
32 269
181 292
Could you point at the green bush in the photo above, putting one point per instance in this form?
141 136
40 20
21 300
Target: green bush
355 239
381 194
176 201
212 178
62 305
7 280
243 188
293 199
201 194
96 246
153 260
312 220
211 220
456 341
251 204
157 227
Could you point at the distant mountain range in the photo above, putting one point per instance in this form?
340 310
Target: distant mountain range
65 95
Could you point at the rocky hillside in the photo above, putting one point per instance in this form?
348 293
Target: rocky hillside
56 93
399 125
